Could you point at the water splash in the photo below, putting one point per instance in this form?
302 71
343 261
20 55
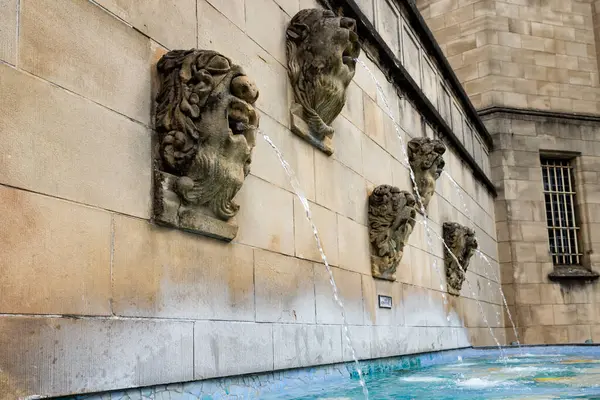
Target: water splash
300 194
425 220
482 256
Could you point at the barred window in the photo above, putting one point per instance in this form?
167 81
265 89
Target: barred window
561 215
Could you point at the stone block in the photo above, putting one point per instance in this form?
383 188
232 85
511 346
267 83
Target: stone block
157 19
272 230
297 153
215 31
565 314
543 30
265 23
353 239
410 49
284 288
354 109
304 240
349 199
348 149
160 272
542 315
533 43
366 6
420 262
361 342
509 39
8 31
579 333
374 118
551 294
349 290
224 348
291 7
386 341
388 24
377 163
55 256
527 293
576 49
94 49
306 345
442 7
66 146
371 290
114 353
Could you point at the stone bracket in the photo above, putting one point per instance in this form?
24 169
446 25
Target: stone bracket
169 211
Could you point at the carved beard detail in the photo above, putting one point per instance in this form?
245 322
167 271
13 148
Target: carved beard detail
391 221
462 243
425 157
212 182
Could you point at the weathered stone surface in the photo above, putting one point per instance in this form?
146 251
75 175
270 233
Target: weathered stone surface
284 288
223 348
171 23
353 239
462 243
272 230
159 272
425 157
391 220
321 50
112 72
48 356
70 154
8 30
303 345
206 123
349 290
47 266
304 239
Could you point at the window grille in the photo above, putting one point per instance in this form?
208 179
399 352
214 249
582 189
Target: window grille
561 216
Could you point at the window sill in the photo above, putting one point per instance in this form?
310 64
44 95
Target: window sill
572 273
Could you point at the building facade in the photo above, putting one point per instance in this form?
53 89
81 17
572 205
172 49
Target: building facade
96 297
531 69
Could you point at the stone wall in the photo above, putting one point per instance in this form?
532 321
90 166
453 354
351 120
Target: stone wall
545 311
526 54
94 297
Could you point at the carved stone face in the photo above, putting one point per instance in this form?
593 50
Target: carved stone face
391 221
425 157
462 243
321 49
206 123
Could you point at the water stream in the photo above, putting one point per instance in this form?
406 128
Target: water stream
300 194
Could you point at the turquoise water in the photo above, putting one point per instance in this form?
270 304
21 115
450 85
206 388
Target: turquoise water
532 373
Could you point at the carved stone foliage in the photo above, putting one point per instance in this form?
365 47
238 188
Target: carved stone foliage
205 122
425 157
462 242
321 49
391 221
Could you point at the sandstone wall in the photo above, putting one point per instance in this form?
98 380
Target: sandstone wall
536 54
94 297
545 311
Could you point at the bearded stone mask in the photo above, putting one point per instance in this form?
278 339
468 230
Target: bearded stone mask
391 221
426 161
321 52
206 127
462 244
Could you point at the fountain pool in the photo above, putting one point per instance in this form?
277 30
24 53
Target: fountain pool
545 372
529 372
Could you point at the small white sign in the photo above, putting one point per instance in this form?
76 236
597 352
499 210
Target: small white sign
385 301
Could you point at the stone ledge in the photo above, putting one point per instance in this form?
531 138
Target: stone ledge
572 273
